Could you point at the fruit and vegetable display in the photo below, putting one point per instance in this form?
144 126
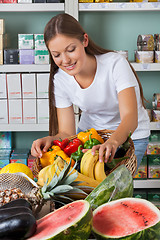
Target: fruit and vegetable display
79 187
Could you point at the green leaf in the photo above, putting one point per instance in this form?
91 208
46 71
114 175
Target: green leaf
70 178
61 189
76 190
53 182
43 189
75 183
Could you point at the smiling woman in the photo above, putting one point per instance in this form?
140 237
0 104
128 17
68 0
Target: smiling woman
100 82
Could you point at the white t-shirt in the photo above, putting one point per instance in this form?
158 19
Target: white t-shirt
99 102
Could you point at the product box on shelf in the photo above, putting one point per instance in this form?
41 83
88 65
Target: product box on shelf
4 162
3 111
15 111
9 1
39 42
24 1
3 89
25 41
156 115
2 26
26 56
42 85
14 85
18 159
3 41
39 1
5 140
41 57
142 170
29 111
153 166
11 56
153 148
30 161
154 197
1 57
42 110
28 85
140 194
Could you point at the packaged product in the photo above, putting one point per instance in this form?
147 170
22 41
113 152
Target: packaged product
154 166
157 57
154 197
142 170
144 56
145 42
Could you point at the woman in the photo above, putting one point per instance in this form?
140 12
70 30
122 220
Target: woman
100 82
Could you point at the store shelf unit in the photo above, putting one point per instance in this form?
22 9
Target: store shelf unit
33 7
120 6
147 184
24 127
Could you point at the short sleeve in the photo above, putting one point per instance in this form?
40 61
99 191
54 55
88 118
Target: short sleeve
62 99
123 75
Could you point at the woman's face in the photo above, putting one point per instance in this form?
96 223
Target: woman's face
68 53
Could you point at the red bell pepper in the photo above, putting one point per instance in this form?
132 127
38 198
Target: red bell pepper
72 146
61 143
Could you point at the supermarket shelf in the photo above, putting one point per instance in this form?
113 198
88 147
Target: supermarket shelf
45 68
149 183
121 6
31 7
155 126
24 127
24 68
146 66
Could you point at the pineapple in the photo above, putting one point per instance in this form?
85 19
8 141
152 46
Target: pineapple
62 188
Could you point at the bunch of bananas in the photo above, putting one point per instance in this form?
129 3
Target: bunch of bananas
49 171
91 166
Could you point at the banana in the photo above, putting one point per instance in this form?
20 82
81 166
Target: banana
99 173
87 163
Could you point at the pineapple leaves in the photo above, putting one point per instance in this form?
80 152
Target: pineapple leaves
70 178
61 189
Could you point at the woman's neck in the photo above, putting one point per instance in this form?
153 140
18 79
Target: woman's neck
86 77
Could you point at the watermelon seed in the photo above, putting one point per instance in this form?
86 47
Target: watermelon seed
140 214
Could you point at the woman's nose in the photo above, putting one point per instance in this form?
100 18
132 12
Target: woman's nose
65 58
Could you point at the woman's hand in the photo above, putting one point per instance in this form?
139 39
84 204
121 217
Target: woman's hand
107 150
41 144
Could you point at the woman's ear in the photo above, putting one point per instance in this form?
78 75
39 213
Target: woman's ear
85 41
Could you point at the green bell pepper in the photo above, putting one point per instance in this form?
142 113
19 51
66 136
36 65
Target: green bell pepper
91 142
76 156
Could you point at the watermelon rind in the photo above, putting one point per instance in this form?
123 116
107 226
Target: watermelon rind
121 179
79 229
150 233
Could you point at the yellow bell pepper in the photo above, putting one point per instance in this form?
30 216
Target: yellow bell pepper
49 156
84 136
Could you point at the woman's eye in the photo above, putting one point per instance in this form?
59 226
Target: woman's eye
55 56
71 50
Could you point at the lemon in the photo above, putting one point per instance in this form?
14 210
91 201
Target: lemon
17 167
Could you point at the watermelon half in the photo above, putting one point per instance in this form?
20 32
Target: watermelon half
127 218
72 221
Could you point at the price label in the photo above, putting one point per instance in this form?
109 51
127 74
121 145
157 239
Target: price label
145 66
158 125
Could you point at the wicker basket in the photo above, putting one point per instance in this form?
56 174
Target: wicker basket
130 162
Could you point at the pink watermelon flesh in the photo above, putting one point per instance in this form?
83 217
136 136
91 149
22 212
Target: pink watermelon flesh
124 217
61 219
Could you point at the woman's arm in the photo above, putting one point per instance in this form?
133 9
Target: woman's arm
66 126
129 120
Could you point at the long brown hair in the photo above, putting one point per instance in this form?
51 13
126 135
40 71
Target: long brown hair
69 26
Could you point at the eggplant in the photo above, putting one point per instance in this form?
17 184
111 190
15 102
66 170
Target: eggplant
8 212
17 203
18 226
